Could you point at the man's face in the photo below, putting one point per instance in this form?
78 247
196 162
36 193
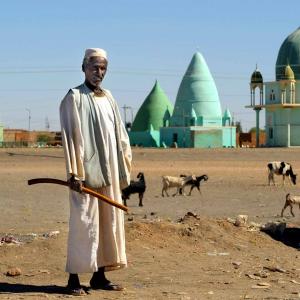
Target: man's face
95 70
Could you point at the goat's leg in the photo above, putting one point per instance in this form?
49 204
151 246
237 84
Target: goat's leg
177 191
291 206
167 192
271 178
190 193
283 180
141 199
164 190
183 192
284 207
198 187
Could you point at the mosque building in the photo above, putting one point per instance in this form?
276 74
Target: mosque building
196 121
280 98
154 113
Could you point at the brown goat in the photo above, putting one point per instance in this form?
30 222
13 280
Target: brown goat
290 201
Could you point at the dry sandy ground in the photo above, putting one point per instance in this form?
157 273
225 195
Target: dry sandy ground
170 256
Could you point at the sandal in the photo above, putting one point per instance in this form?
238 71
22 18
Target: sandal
76 291
108 286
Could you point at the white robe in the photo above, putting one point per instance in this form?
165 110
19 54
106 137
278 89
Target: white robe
96 229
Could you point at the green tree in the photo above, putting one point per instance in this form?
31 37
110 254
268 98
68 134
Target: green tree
253 129
239 128
43 138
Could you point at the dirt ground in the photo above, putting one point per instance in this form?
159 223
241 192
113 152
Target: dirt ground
179 247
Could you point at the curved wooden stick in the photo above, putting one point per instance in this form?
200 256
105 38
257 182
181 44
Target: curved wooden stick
84 189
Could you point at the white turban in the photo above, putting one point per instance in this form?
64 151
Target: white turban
92 52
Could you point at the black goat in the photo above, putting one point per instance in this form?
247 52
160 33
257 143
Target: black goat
194 183
138 187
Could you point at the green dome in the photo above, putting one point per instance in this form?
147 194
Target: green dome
256 77
198 91
289 53
154 112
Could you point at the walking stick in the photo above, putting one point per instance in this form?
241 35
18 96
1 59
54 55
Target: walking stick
84 189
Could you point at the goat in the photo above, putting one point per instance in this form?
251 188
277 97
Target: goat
194 183
178 182
281 168
138 187
289 201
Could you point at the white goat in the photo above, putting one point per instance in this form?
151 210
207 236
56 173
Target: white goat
289 201
178 182
281 168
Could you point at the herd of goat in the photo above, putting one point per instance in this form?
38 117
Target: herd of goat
274 168
139 186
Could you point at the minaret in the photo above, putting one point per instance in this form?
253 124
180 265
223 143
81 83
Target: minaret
257 82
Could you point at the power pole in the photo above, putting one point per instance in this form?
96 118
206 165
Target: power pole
47 124
125 112
125 108
29 117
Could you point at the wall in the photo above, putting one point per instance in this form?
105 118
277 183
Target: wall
211 138
145 138
168 134
229 137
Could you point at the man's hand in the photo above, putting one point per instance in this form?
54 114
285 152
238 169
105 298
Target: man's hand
75 184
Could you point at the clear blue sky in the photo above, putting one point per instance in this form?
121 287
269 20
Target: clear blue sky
43 42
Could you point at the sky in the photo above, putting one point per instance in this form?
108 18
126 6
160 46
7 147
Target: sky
43 43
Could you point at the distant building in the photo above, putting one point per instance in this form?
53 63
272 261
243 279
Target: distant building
16 138
1 133
280 98
248 139
25 138
195 122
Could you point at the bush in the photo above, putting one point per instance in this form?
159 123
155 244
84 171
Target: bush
43 138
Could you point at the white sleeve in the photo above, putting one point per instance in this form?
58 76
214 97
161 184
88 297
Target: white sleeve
72 138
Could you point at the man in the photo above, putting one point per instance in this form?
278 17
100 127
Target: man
98 155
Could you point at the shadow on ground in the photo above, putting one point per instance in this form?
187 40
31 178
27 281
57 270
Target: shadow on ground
287 234
15 288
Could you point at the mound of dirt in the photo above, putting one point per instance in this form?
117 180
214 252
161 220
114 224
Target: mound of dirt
206 255
201 232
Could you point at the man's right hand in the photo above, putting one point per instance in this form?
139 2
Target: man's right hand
75 184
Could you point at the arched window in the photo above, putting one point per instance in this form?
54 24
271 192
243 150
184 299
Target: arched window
272 95
270 132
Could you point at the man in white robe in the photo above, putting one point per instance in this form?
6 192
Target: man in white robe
98 155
